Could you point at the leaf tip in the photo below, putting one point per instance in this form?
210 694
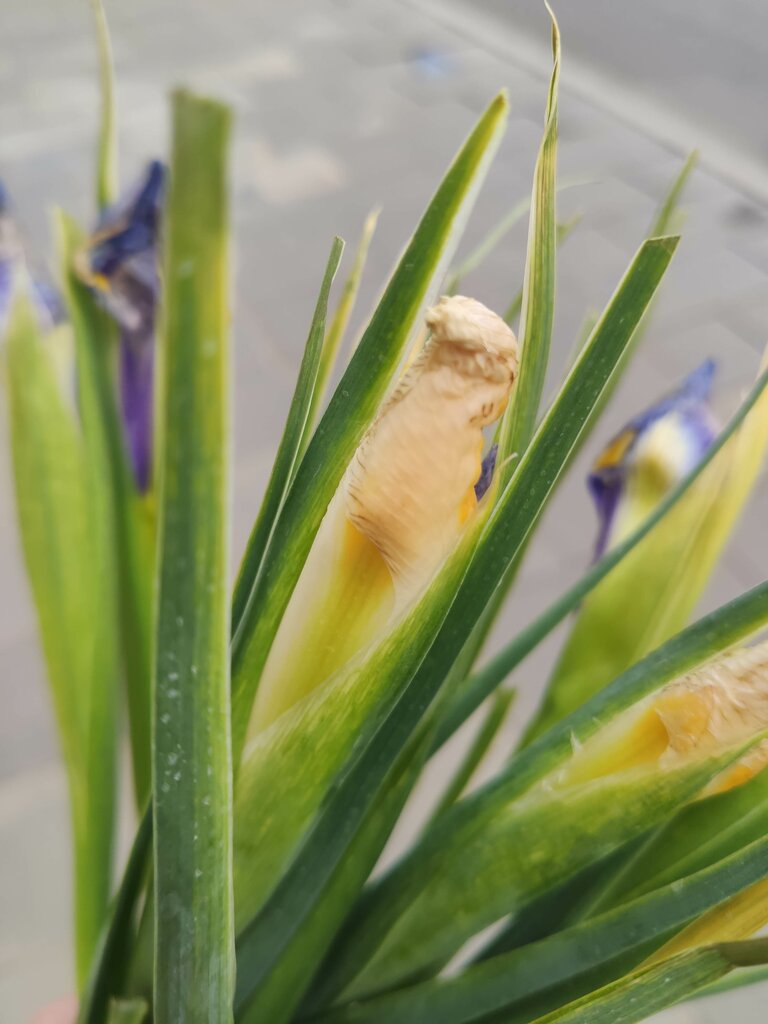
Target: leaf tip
500 103
666 242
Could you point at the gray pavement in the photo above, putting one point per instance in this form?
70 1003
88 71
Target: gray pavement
342 105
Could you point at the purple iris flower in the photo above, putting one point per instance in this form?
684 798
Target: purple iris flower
120 262
692 429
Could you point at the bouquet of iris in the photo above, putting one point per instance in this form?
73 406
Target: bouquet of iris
616 862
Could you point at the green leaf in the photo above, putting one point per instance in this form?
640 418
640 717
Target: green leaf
194 942
111 962
63 508
106 166
450 840
366 716
668 212
512 856
738 979
563 231
699 836
470 694
538 301
655 988
289 450
481 252
577 954
127 1011
131 516
276 999
495 717
538 292
339 322
353 406
661 225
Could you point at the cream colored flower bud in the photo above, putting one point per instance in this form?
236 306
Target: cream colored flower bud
402 505
410 486
718 706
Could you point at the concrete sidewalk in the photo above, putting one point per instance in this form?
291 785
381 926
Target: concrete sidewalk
342 105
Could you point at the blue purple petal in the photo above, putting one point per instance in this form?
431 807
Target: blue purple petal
689 405
121 263
486 471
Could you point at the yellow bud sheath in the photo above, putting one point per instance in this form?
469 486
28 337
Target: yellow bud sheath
720 705
402 505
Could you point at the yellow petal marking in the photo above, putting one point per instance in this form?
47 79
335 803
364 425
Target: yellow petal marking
616 450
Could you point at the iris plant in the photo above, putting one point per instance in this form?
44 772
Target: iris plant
615 858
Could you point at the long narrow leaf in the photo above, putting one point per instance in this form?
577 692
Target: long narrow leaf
495 717
738 979
513 978
662 224
538 301
469 696
106 167
64 518
339 322
131 516
194 944
563 231
128 1011
277 998
108 974
696 838
655 988
514 855
288 451
93 334
395 701
464 823
352 407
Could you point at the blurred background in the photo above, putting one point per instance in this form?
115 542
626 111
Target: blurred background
346 104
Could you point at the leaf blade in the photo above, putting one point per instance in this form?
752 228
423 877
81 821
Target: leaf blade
352 407
405 697
194 965
289 449
478 687
106 164
538 298
512 978
63 513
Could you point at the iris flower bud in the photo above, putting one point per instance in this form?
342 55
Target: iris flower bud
717 707
650 455
403 503
120 262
